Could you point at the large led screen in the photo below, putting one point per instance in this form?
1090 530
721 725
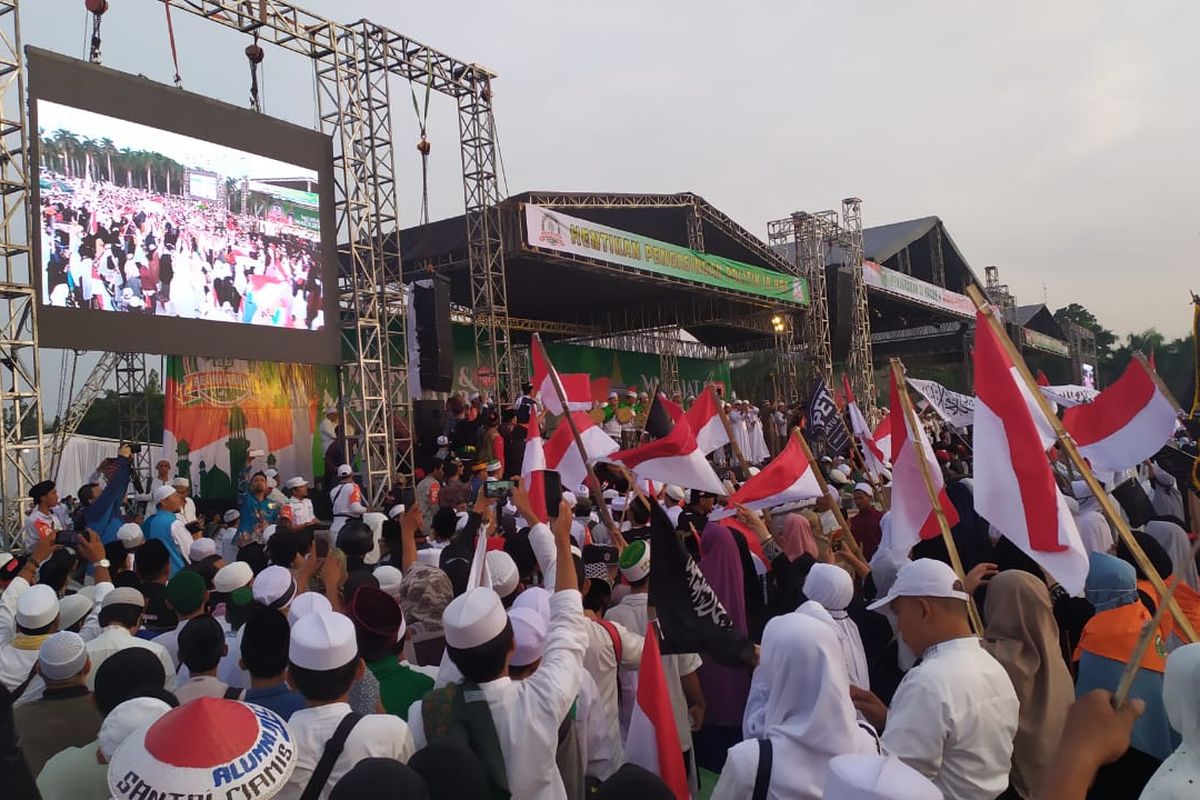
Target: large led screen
170 223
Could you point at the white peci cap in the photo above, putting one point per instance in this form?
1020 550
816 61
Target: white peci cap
232 515
295 483
275 587
131 535
839 477
395 511
232 576
676 493
635 560
162 493
529 636
569 498
181 483
534 597
924 577
390 578
308 603
37 607
322 640
73 608
125 719
201 549
503 571
344 471
865 488
860 776
123 596
61 656
473 618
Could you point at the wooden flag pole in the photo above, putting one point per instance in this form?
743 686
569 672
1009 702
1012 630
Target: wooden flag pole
911 417
593 484
837 507
1081 465
743 469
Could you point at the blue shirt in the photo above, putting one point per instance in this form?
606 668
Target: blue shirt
279 698
158 526
253 510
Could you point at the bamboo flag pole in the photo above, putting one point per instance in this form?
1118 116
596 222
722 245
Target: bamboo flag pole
837 508
743 470
1081 465
911 417
593 484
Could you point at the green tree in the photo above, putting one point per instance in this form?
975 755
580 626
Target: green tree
1105 339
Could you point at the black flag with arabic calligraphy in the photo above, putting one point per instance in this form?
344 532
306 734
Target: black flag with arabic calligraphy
825 432
690 615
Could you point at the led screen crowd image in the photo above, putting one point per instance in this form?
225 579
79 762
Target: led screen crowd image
148 228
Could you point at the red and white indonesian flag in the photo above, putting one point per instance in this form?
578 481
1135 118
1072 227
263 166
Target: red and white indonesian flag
533 467
563 456
883 435
914 518
704 417
1014 487
1126 424
652 742
673 459
788 478
873 455
578 387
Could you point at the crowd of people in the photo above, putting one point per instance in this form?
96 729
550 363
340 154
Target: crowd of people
116 248
281 655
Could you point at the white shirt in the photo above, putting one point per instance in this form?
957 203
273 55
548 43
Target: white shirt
17 660
187 513
37 525
527 713
300 512
328 431
632 613
347 502
170 641
200 686
375 736
600 660
115 638
953 719
227 543
183 539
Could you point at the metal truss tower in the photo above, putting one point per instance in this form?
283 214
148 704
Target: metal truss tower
21 439
133 410
859 365
485 240
807 236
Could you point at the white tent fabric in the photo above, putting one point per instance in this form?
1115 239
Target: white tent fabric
81 456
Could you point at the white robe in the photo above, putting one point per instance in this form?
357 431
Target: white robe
1177 777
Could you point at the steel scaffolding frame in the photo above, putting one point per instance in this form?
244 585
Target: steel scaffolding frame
133 410
353 66
859 365
807 235
20 364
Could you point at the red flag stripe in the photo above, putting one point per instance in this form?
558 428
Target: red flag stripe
996 387
1113 408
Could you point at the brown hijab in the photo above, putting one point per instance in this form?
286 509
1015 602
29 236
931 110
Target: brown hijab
1023 636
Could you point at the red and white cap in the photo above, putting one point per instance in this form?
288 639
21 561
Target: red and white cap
208 747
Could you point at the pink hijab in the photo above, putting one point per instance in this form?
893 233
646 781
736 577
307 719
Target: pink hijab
797 537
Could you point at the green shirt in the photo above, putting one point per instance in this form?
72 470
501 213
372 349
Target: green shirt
399 685
74 774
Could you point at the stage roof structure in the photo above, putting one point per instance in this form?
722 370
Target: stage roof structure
613 264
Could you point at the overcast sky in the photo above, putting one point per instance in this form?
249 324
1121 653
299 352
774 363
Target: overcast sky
1056 140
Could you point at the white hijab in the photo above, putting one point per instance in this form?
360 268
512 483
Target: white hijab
833 589
808 715
1174 540
1178 776
1095 532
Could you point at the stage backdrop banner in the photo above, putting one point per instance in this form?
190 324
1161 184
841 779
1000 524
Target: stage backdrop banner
218 410
621 368
550 230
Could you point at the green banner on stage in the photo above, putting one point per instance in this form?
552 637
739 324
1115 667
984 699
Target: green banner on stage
551 230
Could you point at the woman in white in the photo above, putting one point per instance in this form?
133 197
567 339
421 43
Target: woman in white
1179 776
758 442
832 588
809 718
